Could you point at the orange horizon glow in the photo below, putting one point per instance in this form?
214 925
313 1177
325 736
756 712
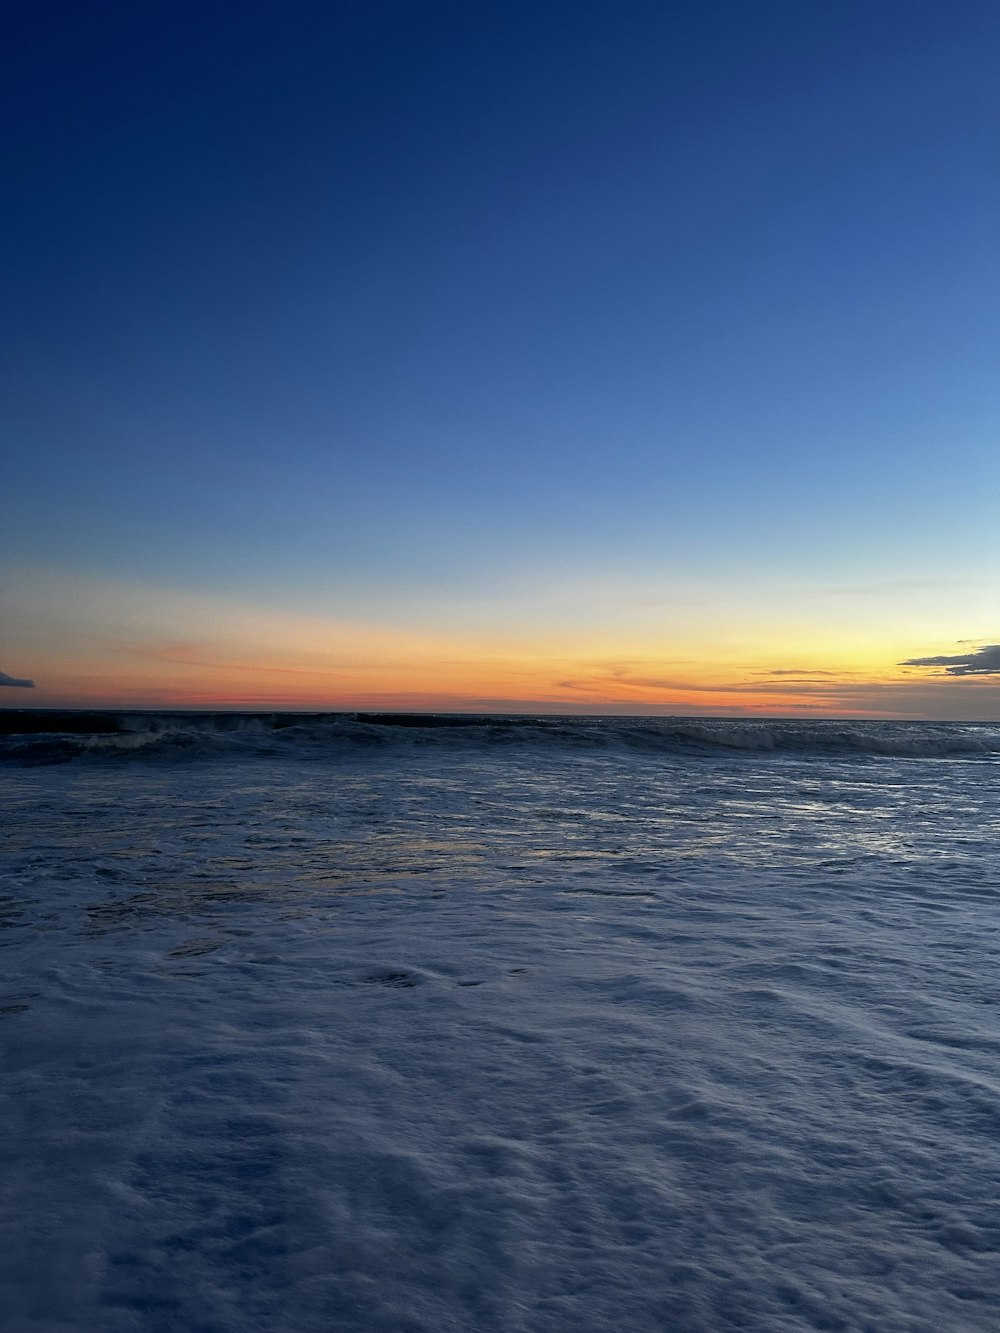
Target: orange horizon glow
115 645
518 690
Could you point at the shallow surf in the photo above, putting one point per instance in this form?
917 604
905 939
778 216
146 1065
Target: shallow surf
327 1022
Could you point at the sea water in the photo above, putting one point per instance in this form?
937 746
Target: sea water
533 1025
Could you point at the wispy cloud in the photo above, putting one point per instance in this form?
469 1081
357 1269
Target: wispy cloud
983 661
12 680
896 587
804 673
781 692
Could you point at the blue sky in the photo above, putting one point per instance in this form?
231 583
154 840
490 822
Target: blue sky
507 319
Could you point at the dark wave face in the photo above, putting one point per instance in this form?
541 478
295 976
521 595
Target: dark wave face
53 737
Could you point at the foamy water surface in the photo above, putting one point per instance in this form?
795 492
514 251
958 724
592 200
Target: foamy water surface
338 1024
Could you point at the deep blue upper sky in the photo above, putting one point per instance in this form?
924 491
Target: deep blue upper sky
350 301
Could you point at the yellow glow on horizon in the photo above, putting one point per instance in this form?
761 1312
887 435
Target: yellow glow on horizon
102 643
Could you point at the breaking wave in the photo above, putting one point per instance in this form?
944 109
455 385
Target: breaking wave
50 737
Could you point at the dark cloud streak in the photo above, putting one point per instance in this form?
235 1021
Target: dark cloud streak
19 684
984 661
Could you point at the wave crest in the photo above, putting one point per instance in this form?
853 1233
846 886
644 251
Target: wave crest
40 737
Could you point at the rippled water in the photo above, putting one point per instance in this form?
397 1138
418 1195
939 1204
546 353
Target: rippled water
452 1032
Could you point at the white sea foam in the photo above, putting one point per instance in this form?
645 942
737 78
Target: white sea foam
58 738
447 1031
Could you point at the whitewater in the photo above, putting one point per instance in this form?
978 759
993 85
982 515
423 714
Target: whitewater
498 1025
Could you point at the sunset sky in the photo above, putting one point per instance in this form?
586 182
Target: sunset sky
503 356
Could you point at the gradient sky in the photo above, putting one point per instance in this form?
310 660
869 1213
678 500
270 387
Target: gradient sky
624 357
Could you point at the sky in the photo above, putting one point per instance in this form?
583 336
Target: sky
606 357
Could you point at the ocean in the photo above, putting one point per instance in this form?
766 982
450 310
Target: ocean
498 1025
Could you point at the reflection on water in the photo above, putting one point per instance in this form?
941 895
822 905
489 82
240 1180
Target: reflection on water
123 846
